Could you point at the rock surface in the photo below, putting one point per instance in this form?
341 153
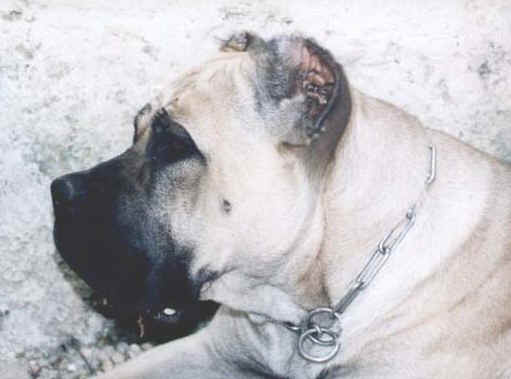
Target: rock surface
74 73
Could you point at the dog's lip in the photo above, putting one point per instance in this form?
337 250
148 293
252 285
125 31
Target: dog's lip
165 313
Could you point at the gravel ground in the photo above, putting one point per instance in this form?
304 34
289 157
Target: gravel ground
72 360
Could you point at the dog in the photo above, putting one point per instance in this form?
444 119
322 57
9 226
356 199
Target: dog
341 237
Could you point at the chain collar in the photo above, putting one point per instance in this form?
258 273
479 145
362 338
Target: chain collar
322 326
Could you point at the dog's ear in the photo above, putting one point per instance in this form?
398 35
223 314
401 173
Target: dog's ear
304 84
301 92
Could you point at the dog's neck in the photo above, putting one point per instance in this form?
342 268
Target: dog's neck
378 172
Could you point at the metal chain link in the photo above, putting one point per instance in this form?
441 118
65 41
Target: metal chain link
377 260
327 336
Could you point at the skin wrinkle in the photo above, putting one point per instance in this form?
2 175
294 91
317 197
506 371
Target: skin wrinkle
437 275
313 279
321 269
338 371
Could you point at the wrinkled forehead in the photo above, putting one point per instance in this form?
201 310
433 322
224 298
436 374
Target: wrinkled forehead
220 83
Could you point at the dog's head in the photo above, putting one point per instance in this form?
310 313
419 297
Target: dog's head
221 183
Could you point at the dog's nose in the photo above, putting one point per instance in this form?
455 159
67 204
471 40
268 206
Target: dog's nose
67 188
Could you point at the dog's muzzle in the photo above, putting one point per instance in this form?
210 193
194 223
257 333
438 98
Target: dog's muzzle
107 249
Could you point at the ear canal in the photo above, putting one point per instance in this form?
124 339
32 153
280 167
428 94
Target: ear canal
318 81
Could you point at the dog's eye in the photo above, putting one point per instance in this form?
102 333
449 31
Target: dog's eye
162 124
161 121
169 142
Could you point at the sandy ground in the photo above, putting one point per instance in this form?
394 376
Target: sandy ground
73 74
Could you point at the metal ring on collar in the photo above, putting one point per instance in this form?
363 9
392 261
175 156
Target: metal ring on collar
318 358
317 337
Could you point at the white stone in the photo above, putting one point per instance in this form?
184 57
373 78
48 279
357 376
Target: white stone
169 312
